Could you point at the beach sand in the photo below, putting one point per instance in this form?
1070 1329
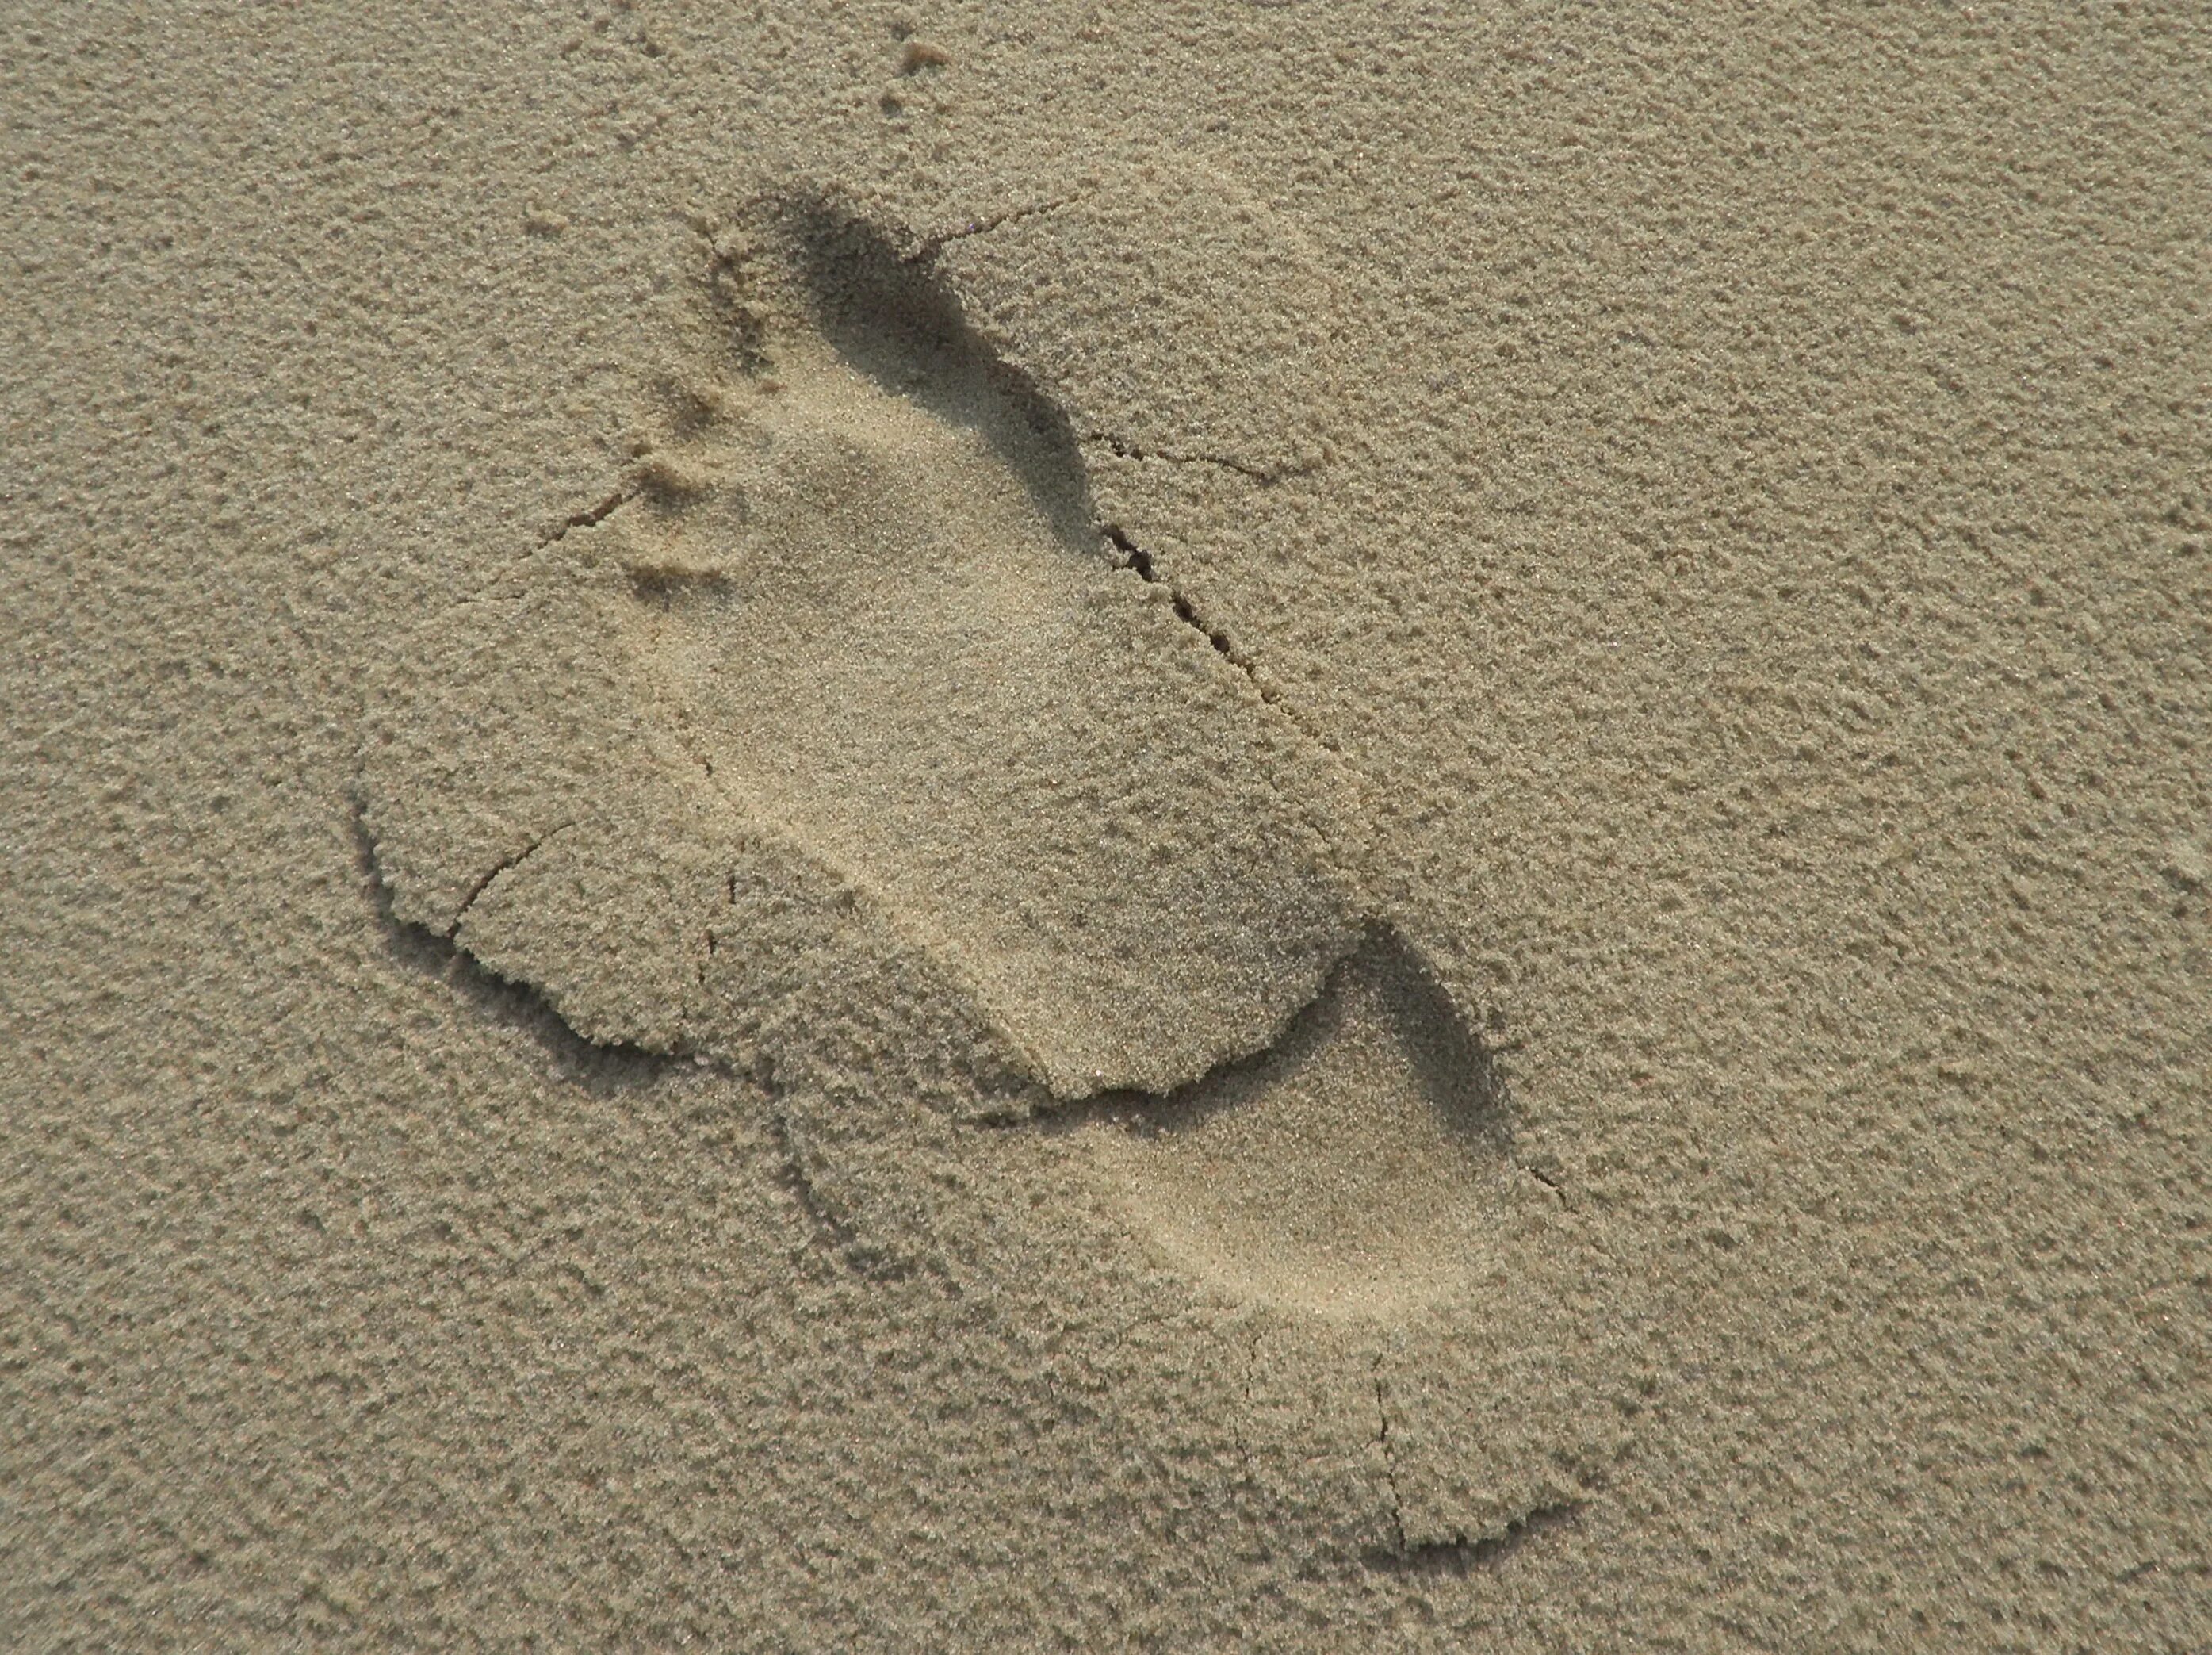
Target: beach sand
1260 826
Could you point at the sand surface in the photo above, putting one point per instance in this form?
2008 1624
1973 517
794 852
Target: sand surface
1251 826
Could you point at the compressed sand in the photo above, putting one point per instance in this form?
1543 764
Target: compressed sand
1242 828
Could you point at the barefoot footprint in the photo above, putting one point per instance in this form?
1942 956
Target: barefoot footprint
850 743
855 743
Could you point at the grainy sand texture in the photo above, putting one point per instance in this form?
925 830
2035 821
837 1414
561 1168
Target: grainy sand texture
1259 826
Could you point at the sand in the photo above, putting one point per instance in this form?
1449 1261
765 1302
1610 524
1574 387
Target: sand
1257 827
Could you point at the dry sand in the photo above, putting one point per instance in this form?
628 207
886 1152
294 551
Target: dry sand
1258 826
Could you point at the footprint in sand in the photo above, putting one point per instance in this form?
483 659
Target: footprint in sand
853 743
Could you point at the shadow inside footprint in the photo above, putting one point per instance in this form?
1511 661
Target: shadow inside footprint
909 335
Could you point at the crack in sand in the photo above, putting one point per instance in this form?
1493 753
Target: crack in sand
591 516
1265 476
1136 559
1390 1461
506 867
932 245
1127 554
1236 1419
1558 1188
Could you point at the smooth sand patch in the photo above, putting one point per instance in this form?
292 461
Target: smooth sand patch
1357 1169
